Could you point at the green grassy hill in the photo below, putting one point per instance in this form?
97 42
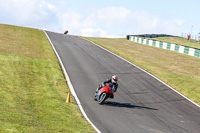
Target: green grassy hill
32 85
180 71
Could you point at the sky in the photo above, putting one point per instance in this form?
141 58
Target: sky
104 18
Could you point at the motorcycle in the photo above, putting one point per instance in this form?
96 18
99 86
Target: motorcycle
104 93
66 32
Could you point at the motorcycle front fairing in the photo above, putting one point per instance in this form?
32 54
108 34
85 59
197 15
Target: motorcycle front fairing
108 89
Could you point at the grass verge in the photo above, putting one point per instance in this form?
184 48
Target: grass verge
180 71
32 85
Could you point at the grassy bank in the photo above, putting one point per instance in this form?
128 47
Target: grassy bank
180 71
33 88
177 40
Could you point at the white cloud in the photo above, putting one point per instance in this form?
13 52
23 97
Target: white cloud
98 22
51 7
93 32
112 15
32 13
145 23
70 19
103 22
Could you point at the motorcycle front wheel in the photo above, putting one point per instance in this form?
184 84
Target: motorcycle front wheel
103 97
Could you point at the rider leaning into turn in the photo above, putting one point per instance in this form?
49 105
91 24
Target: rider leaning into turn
113 80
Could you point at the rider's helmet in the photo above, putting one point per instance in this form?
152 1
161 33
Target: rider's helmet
114 79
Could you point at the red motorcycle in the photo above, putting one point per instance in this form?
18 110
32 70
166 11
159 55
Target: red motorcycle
66 32
104 93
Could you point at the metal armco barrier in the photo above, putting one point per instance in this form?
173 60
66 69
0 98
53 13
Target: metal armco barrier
169 46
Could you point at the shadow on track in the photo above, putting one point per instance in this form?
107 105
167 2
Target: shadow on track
126 105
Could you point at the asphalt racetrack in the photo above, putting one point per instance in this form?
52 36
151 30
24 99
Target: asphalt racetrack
142 104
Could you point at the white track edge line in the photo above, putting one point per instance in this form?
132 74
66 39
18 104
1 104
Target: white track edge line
71 87
145 72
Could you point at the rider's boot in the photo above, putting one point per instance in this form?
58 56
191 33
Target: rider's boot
95 97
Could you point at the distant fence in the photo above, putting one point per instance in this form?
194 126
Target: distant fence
169 46
151 35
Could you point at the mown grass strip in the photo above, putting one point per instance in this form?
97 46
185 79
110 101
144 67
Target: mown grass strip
180 71
32 85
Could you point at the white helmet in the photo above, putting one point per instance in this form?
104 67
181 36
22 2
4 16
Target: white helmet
114 79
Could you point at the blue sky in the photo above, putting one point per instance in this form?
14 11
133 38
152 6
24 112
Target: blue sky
104 18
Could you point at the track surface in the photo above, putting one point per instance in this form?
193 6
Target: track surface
142 104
